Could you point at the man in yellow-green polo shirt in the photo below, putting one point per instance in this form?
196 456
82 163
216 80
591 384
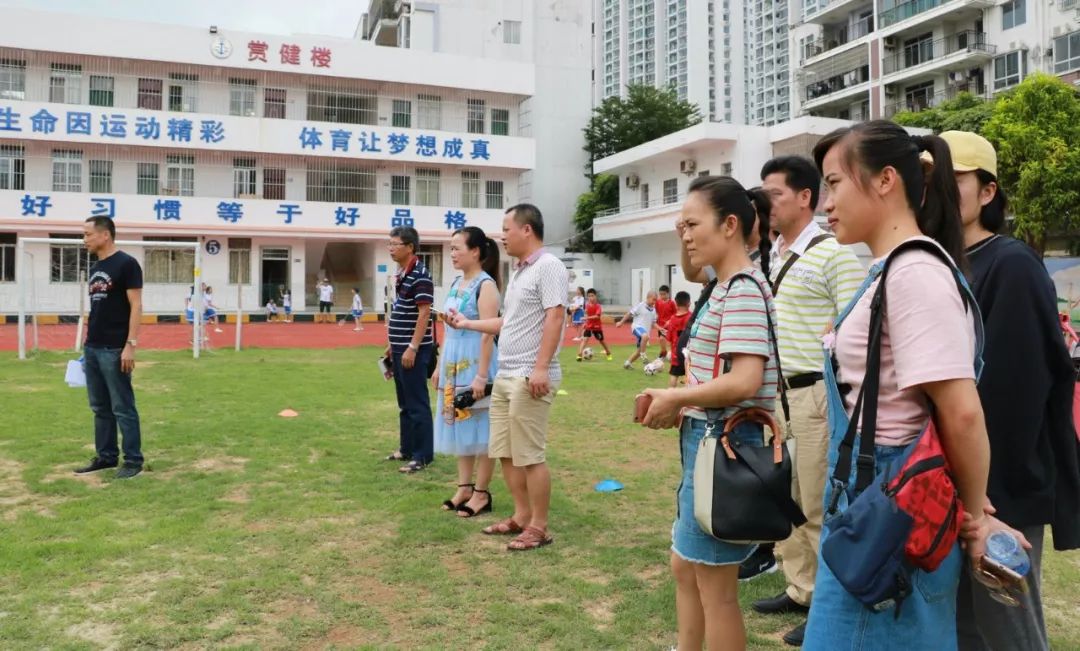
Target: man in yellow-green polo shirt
813 279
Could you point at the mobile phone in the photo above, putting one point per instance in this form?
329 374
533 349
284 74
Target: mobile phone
641 406
1006 575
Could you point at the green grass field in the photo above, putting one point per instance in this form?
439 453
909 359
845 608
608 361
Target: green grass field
258 532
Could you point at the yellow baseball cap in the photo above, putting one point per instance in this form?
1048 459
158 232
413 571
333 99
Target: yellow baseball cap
970 152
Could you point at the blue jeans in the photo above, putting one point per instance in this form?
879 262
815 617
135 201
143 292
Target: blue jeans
838 621
414 405
113 402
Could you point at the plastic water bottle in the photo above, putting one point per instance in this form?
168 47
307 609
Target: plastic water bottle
1004 548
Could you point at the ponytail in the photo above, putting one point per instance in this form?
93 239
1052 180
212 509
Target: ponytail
489 259
939 215
762 204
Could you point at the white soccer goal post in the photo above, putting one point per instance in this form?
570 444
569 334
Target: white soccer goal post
26 282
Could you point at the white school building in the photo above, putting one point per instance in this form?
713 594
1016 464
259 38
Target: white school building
287 158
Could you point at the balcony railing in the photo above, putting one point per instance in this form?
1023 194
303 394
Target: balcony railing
380 10
909 9
837 83
671 202
923 52
842 36
922 102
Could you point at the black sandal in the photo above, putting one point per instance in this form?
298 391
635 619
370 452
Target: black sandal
469 513
411 467
448 505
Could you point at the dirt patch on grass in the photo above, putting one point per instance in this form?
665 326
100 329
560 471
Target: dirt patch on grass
101 635
314 456
237 495
601 610
342 636
16 497
299 607
220 464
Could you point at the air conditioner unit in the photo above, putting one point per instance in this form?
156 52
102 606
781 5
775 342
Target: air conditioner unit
890 42
632 181
688 166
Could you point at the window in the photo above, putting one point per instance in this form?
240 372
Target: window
172 266
274 183
470 189
429 112
725 169
644 195
179 175
512 32
12 79
918 50
67 171
500 122
150 94
475 115
341 181
431 254
1067 53
147 179
239 260
65 83
1009 69
703 173
399 190
427 187
402 114
1013 14
671 191
101 176
244 178
919 97
12 168
68 263
494 193
274 103
242 97
350 107
183 92
7 257
101 90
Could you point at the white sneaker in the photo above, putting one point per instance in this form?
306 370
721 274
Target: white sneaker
218 330
627 365
644 358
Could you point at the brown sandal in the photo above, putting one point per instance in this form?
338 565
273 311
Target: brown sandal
530 539
505 527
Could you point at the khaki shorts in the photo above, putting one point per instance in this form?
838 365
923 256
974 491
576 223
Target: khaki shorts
518 422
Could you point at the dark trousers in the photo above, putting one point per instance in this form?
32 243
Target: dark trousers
414 405
986 625
113 402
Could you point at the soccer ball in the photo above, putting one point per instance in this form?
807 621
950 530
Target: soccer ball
654 367
587 353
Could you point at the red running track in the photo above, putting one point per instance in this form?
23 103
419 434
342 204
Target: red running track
169 336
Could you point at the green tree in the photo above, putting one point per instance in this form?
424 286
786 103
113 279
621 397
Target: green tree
647 113
965 112
603 196
1036 131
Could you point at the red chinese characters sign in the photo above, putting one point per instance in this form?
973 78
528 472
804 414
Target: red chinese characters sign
290 54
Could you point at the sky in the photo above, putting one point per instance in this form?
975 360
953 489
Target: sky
323 17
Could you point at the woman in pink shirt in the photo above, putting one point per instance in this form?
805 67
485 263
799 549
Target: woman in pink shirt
880 194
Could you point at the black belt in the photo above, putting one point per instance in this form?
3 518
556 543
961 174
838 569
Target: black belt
803 380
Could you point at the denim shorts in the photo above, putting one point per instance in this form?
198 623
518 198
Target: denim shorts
688 541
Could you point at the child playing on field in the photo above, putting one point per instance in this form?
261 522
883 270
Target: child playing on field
593 325
644 316
577 311
675 326
357 308
286 302
665 309
271 311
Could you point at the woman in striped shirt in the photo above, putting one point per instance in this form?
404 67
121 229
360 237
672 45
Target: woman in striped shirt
731 365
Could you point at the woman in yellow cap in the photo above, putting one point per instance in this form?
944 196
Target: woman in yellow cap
1026 391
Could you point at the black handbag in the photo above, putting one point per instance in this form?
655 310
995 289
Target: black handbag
742 493
433 361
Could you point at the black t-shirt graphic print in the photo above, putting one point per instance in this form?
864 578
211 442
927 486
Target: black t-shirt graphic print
110 310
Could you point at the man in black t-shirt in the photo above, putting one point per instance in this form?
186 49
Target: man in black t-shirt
115 287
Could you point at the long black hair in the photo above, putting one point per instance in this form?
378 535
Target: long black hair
872 146
475 238
992 215
727 196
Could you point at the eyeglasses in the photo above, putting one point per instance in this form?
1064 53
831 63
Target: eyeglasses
1002 589
394 245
